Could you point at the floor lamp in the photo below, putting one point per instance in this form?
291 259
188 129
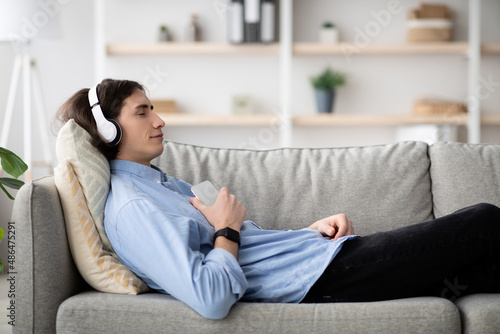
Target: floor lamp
21 24
31 89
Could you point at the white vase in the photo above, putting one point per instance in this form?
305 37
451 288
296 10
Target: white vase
328 35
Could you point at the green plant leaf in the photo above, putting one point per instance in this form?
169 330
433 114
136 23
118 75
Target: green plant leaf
11 183
11 163
328 79
1 237
6 192
1 263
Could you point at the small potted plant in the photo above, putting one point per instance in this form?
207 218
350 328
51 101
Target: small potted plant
324 88
328 34
163 35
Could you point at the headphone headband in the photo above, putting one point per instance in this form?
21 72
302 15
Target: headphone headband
93 98
109 130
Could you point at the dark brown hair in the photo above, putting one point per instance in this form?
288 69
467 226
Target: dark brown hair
112 94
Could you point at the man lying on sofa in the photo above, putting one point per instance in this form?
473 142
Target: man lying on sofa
209 257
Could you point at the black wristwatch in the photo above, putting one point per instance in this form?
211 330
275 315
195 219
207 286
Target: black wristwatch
229 233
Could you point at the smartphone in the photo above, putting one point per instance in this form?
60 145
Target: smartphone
205 192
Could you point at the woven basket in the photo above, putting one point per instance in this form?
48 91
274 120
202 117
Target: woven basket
438 107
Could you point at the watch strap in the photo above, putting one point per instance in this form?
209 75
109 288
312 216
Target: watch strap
229 233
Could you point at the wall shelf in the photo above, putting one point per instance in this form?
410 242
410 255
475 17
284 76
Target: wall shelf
300 48
180 119
218 120
490 119
380 49
491 48
201 48
376 120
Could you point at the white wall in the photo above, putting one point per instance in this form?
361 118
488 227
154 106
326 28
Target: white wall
205 84
64 67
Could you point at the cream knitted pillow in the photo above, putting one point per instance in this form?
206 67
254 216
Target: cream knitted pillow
82 180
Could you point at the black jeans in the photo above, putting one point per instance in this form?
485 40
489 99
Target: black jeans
448 257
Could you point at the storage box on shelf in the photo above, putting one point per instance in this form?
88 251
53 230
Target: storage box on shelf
430 23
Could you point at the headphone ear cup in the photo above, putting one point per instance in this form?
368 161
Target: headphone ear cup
118 136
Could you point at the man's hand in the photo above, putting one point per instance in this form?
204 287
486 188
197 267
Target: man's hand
226 211
335 226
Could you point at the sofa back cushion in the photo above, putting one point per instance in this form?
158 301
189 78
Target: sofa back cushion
463 175
378 187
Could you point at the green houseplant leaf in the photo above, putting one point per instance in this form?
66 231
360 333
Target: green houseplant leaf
1 263
6 192
11 183
328 25
15 166
11 163
328 79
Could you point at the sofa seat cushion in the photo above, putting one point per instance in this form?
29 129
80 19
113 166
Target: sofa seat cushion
479 313
94 312
379 187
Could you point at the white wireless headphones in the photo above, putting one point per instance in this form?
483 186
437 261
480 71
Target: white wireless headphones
109 129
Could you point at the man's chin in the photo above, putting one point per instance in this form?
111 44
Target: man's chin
159 152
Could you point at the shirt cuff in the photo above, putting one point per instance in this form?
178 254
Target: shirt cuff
231 266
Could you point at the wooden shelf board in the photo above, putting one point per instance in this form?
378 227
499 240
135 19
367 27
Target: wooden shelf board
171 48
382 49
318 120
219 120
375 120
490 119
491 48
299 48
322 120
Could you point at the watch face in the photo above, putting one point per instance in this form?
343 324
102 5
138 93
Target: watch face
232 235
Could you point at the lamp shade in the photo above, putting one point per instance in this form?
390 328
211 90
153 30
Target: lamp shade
30 20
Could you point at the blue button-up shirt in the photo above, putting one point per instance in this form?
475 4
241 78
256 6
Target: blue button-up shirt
160 236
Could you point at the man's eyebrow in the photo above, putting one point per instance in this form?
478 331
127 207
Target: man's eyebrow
143 106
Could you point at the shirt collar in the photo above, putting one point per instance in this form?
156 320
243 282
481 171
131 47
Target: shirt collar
152 173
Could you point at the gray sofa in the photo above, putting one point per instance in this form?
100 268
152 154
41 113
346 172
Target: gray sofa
378 187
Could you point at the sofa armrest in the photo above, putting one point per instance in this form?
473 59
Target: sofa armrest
45 274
